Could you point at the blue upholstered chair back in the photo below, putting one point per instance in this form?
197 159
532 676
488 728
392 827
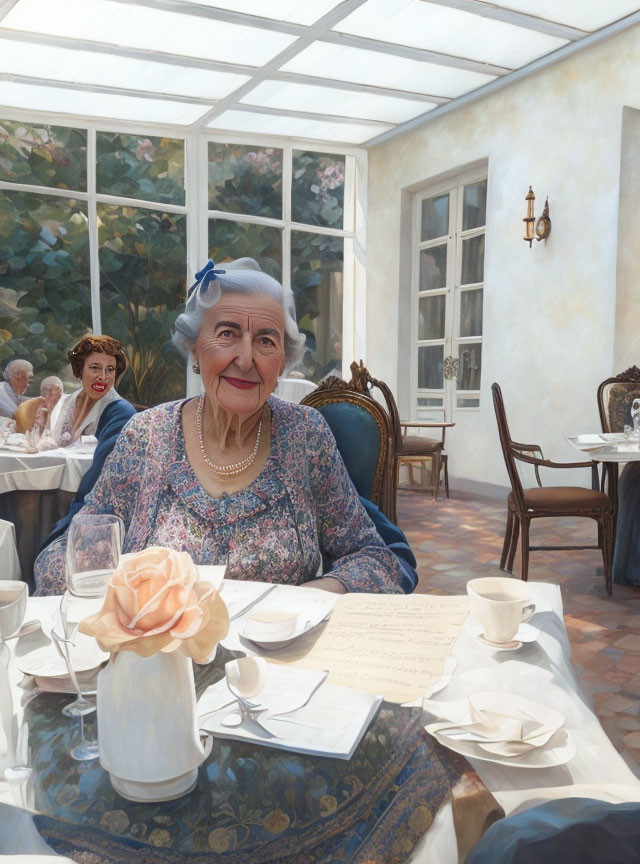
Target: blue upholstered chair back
364 435
359 441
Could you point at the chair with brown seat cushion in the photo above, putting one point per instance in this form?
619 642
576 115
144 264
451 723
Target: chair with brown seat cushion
415 449
525 504
618 402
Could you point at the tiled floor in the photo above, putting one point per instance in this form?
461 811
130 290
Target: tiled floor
457 539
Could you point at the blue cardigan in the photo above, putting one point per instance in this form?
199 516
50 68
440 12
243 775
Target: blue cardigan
111 422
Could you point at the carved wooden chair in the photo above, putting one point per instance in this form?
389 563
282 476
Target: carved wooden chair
618 402
525 504
416 450
364 433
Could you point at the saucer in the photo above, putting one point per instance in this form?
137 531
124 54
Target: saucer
500 646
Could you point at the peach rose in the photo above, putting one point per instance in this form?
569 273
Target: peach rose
154 602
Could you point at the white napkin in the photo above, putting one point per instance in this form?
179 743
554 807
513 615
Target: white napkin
287 689
500 723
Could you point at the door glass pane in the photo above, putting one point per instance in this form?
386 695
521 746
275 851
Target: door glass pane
433 268
472 260
471 313
469 366
425 402
45 300
431 312
245 179
230 240
471 403
430 362
474 206
43 155
133 166
143 265
317 189
316 279
435 217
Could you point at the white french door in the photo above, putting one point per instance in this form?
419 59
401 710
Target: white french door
448 287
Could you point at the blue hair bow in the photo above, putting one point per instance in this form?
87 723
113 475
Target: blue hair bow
204 277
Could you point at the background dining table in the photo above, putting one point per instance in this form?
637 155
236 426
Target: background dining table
243 789
36 490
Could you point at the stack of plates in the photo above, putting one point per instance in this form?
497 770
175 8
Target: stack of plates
37 655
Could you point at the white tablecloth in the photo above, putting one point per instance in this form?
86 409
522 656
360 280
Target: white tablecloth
294 389
62 468
9 563
596 770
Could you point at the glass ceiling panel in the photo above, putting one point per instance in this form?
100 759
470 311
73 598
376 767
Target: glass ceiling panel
384 70
320 130
448 31
583 14
296 11
326 100
153 29
63 100
63 64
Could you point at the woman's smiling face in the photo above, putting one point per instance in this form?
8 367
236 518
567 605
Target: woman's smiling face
240 351
98 375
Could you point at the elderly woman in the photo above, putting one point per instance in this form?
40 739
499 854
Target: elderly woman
236 475
37 412
17 374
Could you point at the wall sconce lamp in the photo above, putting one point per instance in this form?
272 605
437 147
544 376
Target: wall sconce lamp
540 229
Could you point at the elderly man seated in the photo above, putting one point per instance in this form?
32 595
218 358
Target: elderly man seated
18 374
37 411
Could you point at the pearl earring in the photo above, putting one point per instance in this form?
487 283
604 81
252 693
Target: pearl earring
196 368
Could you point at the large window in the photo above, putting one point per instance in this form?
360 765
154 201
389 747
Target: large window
285 207
93 238
449 278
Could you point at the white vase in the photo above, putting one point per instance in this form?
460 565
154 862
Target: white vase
148 725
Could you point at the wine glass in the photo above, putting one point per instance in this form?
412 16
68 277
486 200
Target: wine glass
94 544
13 606
245 677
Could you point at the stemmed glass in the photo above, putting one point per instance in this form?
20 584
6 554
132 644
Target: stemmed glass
13 606
245 677
94 545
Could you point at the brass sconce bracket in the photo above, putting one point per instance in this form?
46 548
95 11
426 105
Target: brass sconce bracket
540 229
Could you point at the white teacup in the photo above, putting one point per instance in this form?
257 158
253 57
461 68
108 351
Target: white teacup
13 606
500 605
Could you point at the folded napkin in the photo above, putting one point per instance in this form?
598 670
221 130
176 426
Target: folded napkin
499 723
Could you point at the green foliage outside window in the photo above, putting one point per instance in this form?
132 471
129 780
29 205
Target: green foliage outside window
133 166
230 240
45 303
317 191
142 291
41 155
245 179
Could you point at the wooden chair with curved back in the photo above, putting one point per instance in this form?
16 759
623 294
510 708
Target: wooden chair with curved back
523 505
618 402
364 433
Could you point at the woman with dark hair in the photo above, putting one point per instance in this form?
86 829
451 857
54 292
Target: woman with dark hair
95 409
96 361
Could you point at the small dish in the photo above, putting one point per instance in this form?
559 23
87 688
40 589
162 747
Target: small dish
500 646
304 620
525 633
559 750
35 654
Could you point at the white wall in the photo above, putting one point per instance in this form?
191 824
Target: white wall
550 311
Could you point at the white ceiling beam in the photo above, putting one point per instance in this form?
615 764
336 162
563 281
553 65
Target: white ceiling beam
143 54
510 16
6 6
311 35
104 89
299 78
215 13
422 54
523 72
307 115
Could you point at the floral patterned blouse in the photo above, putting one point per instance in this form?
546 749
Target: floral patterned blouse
299 519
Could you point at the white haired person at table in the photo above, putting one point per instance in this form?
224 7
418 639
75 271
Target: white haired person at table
36 412
17 375
237 476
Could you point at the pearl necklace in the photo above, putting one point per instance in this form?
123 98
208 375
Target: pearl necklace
235 467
